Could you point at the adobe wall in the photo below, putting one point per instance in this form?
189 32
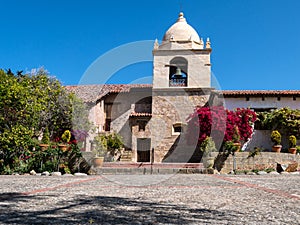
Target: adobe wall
262 161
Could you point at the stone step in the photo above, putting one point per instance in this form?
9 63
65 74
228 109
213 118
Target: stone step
151 165
130 171
126 156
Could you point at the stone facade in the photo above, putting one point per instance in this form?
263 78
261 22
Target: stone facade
170 109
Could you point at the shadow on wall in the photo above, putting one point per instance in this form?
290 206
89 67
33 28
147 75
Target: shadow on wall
180 152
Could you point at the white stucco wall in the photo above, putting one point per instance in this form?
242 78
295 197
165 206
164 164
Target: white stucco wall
257 102
198 67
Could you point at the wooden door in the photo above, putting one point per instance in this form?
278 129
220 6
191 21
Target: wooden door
143 149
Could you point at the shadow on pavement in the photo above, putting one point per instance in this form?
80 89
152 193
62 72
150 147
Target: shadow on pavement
22 209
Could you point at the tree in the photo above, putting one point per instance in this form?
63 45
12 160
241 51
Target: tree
29 104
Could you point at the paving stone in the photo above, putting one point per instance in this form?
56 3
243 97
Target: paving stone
274 173
80 174
32 172
56 174
45 173
262 173
150 199
285 173
67 175
251 173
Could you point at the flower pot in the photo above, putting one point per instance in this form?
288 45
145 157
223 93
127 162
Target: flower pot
98 161
63 147
208 162
293 150
276 148
44 146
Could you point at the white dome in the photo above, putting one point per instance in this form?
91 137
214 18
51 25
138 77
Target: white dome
181 31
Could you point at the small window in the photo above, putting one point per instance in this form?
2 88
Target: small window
142 125
263 98
247 98
177 128
278 98
294 98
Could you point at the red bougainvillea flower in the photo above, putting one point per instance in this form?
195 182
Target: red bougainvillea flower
217 122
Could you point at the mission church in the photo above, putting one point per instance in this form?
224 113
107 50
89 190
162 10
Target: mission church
152 118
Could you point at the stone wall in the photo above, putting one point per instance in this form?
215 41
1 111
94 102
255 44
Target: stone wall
171 107
261 161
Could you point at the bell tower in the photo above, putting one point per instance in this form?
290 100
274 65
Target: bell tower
181 81
182 59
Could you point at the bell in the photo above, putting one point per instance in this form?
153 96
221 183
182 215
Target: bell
178 72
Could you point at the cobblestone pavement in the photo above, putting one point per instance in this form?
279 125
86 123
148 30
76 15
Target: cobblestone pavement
176 199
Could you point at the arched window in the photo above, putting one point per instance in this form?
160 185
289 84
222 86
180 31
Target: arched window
178 72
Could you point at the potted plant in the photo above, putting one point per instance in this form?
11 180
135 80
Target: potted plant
114 144
207 147
292 144
99 150
45 140
65 137
276 139
236 138
98 158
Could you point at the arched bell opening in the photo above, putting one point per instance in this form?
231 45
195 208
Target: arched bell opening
178 72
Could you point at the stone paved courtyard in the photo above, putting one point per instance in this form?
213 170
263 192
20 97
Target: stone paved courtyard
150 199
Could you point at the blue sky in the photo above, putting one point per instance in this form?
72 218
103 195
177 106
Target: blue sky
256 43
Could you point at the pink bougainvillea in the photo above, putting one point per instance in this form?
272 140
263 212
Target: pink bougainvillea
245 122
218 122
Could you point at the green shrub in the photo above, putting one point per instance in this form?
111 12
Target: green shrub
107 142
46 136
292 141
208 146
230 147
276 137
270 169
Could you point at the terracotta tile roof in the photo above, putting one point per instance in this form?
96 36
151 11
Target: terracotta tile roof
91 93
136 114
236 93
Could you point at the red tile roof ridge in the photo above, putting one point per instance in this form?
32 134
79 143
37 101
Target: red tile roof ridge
259 92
